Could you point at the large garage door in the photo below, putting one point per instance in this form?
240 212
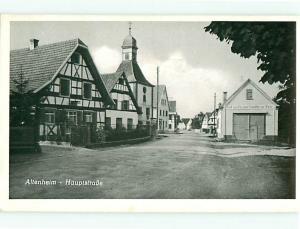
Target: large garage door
249 126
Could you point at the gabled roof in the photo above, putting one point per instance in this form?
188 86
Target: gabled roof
42 64
185 120
172 106
249 81
110 81
208 114
133 72
161 90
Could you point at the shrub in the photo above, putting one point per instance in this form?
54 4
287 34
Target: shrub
100 135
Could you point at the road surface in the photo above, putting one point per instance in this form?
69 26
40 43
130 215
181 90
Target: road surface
180 166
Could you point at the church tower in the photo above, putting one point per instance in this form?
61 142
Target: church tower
129 48
142 89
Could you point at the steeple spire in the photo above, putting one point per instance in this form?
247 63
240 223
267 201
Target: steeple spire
130 24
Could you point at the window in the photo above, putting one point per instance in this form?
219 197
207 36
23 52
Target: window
121 81
107 122
50 117
125 105
72 117
249 95
167 113
119 123
129 123
160 112
88 117
64 87
170 126
148 112
144 98
75 58
144 89
126 56
115 106
87 90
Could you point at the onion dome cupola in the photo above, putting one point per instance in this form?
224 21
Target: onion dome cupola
129 47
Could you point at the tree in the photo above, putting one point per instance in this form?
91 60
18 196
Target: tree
197 121
22 102
274 45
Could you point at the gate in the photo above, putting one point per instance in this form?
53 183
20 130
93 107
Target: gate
249 127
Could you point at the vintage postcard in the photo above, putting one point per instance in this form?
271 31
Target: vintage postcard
148 113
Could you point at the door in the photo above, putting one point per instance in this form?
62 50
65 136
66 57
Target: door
241 126
249 127
257 127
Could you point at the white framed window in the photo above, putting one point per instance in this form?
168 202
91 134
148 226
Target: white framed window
87 90
88 117
75 58
249 94
125 105
64 87
50 117
72 117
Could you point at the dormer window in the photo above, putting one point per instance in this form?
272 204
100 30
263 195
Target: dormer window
249 94
75 58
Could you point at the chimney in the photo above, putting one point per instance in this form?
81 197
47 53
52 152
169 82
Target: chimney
33 43
224 96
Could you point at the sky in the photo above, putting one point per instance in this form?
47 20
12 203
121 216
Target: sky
193 63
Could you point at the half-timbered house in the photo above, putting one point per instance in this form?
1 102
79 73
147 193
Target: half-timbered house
124 112
66 81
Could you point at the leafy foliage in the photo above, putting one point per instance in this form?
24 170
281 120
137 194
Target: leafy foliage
274 45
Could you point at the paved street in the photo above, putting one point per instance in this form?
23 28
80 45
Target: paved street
188 165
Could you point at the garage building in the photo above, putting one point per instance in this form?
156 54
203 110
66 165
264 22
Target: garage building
249 114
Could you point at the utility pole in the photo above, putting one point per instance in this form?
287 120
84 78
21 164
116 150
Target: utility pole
214 129
157 83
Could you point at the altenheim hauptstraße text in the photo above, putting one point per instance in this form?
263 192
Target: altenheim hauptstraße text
66 182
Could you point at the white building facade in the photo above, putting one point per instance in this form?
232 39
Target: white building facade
249 114
172 116
163 107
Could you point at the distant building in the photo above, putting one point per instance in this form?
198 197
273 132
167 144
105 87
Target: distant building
163 106
172 116
124 112
249 114
206 123
68 88
181 126
141 87
187 122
